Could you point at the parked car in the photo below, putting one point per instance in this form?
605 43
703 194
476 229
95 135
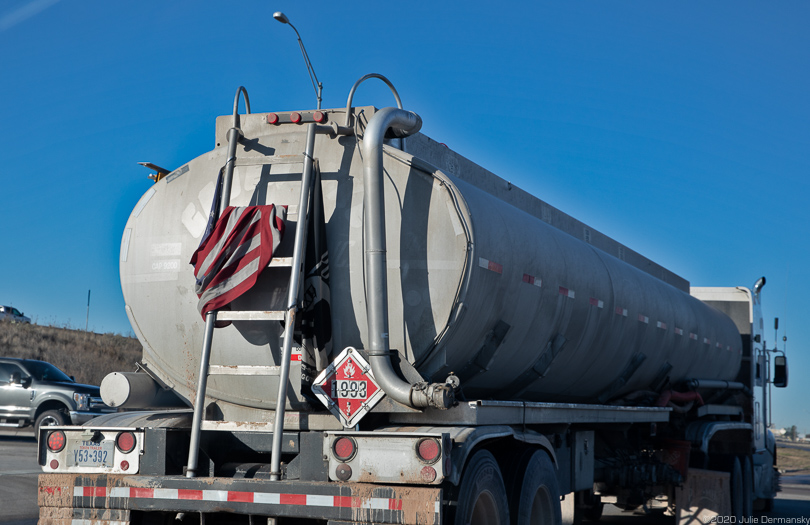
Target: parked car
9 313
37 393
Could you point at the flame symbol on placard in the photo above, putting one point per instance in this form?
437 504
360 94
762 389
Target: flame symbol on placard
349 369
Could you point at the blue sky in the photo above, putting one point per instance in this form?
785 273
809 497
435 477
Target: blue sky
681 129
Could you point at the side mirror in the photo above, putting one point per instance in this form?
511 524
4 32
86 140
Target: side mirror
780 371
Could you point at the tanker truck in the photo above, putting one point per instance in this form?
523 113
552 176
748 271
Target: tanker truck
377 330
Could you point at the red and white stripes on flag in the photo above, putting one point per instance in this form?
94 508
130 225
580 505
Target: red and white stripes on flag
228 262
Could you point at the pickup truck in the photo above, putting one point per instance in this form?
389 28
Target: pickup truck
37 393
9 313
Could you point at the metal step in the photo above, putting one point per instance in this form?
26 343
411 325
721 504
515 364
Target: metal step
257 315
243 370
284 262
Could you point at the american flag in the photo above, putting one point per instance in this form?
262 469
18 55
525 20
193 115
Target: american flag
240 245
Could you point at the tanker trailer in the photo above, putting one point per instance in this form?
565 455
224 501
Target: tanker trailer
450 349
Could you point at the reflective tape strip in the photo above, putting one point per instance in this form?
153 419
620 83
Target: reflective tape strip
662 326
693 336
531 279
313 500
596 302
705 340
643 318
566 292
720 346
621 311
99 522
679 331
295 356
489 265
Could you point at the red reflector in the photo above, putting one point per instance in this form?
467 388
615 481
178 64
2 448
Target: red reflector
428 450
428 474
125 465
343 448
319 117
54 464
125 442
295 117
272 118
56 441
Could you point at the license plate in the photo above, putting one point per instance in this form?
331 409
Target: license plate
91 454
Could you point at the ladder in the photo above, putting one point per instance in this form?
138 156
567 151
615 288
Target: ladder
288 315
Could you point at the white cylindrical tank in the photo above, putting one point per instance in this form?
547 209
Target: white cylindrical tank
512 305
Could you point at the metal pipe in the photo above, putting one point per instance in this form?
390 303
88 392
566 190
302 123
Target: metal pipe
199 401
292 303
714 384
422 394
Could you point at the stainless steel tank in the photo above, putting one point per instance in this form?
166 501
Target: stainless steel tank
514 306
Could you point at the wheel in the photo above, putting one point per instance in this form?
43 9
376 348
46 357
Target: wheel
482 495
737 490
539 502
748 487
50 418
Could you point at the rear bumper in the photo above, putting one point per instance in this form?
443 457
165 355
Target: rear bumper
78 494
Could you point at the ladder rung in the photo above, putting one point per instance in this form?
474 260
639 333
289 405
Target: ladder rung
257 315
243 370
281 261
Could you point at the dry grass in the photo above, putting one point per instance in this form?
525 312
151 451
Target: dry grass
793 461
86 355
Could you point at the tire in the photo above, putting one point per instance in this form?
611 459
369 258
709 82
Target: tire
50 418
736 488
539 502
748 487
482 494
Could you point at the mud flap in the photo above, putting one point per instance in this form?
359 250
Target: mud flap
704 495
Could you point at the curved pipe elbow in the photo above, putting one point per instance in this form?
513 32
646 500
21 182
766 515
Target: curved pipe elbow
419 395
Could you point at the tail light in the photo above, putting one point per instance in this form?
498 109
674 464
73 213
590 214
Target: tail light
428 450
56 441
125 441
344 448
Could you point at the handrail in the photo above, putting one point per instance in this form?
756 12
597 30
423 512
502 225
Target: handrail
357 84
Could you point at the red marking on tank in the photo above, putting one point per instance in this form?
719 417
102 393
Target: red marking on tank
242 497
394 504
295 356
490 265
566 292
531 279
643 318
596 302
293 499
